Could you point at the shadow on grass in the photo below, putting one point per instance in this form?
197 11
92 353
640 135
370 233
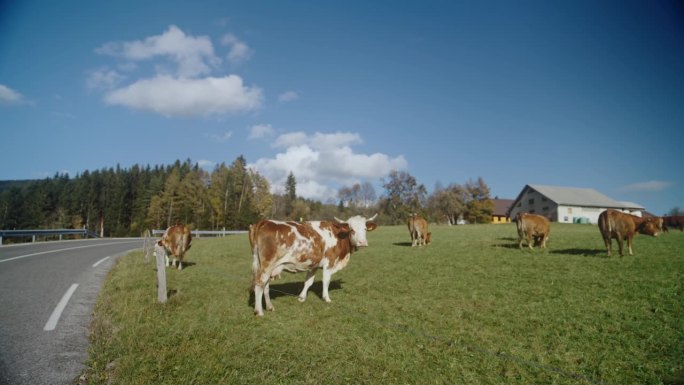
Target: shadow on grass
404 244
508 239
292 289
583 252
506 245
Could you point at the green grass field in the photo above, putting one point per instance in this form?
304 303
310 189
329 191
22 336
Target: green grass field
470 308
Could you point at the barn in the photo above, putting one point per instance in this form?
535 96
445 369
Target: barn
501 209
568 204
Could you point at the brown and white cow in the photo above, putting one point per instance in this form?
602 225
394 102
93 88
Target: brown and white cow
621 226
673 221
532 226
177 241
307 246
418 228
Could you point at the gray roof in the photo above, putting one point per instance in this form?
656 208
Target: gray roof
581 197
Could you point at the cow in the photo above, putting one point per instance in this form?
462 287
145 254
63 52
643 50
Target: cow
307 246
673 221
418 228
177 241
621 226
532 226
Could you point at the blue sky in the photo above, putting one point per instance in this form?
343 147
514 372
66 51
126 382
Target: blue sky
575 93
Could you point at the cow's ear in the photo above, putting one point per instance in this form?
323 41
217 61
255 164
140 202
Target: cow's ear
370 226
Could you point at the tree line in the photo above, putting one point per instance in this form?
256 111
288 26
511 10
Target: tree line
127 201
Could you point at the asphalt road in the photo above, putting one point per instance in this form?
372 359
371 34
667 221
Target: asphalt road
38 343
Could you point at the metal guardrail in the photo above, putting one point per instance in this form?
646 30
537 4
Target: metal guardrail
45 233
200 233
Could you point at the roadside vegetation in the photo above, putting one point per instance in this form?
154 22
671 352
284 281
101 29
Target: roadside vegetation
470 308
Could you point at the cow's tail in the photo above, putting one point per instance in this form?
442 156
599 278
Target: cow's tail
186 242
256 261
610 222
521 226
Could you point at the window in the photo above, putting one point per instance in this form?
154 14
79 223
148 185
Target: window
531 202
545 208
544 199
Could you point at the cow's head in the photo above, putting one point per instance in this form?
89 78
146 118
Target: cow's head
358 226
651 226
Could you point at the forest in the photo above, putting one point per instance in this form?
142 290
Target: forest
116 202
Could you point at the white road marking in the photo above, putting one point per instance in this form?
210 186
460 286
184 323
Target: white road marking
100 261
54 318
54 251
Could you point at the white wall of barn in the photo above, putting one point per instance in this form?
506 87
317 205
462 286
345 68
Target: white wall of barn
568 214
534 202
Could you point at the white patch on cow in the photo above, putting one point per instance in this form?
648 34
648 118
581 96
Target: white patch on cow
327 235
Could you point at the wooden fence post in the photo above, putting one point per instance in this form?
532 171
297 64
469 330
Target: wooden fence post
160 253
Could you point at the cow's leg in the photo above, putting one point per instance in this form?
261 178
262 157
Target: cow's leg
260 283
629 245
168 261
619 242
180 264
310 275
267 297
608 242
520 241
543 242
529 242
326 282
258 293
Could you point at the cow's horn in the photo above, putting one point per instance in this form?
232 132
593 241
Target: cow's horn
373 217
339 220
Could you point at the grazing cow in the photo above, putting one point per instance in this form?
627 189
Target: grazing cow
418 228
673 221
532 226
621 226
176 240
308 246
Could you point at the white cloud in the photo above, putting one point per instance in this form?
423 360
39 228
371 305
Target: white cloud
10 96
171 96
260 131
103 79
291 139
652 186
194 56
239 51
221 137
288 96
181 84
206 164
322 160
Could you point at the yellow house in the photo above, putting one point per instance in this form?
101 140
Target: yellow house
501 207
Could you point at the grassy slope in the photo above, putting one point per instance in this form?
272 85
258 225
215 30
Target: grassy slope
468 309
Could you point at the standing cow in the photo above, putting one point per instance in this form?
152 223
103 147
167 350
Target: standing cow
177 241
418 228
532 226
308 246
673 221
621 226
